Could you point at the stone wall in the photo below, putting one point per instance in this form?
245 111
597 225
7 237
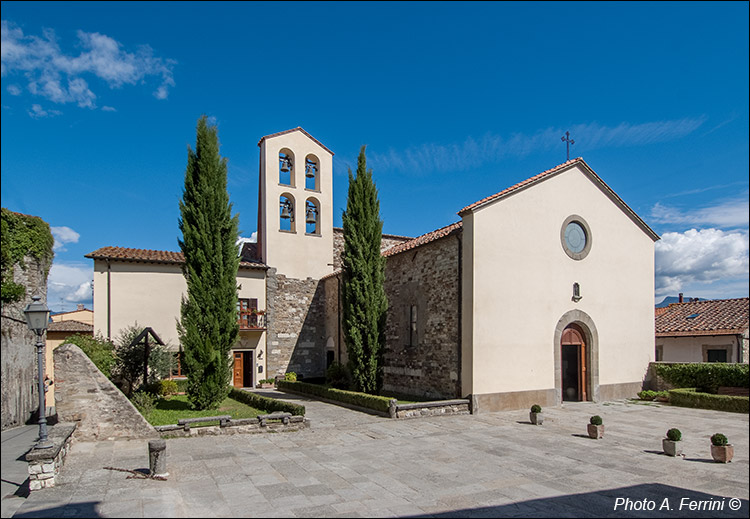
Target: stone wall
44 464
423 409
386 242
86 396
427 277
296 331
333 331
18 379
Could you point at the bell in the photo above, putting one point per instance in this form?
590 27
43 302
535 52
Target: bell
311 217
285 164
285 214
310 170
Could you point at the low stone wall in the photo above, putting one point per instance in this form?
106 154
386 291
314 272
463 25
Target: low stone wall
86 396
437 408
44 464
238 426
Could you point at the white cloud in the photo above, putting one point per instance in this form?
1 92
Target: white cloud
62 236
699 258
14 90
432 157
69 284
55 75
108 109
37 112
732 213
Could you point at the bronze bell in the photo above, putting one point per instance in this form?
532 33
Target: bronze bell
285 214
286 164
311 216
310 170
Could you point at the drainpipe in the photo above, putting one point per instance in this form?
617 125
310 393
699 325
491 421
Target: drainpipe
109 301
338 316
740 340
460 305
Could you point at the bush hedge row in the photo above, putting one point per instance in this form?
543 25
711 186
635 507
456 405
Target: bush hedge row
378 403
706 375
266 404
690 397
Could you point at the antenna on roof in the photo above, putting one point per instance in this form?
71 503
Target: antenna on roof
568 141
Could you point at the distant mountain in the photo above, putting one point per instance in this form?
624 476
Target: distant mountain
674 299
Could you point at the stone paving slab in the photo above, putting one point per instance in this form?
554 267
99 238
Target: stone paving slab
487 465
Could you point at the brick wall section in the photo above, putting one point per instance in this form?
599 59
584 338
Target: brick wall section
386 242
296 331
18 380
86 396
427 277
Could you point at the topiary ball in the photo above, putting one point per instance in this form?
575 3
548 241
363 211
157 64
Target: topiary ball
596 420
719 440
536 408
674 434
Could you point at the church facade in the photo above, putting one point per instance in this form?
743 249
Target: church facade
538 294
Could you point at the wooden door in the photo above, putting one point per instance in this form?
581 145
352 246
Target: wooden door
572 336
238 369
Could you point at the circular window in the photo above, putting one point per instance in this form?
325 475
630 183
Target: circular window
575 237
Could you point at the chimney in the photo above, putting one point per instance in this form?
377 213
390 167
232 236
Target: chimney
680 300
82 307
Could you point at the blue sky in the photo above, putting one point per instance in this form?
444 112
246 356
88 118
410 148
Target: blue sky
455 101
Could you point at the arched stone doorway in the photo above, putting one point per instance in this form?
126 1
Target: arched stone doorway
576 353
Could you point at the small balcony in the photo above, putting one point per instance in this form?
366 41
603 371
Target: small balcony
250 320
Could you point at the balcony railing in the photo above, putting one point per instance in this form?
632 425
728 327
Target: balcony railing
252 320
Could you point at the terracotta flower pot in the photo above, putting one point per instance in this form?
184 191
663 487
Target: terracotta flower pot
722 453
536 418
671 448
595 431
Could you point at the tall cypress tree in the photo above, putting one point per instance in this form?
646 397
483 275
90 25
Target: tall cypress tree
363 293
208 327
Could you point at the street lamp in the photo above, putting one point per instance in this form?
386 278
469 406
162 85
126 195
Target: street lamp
37 315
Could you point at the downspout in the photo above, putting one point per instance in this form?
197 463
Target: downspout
740 341
109 301
338 316
460 306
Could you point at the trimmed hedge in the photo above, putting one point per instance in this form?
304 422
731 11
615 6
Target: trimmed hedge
705 375
266 404
377 403
690 397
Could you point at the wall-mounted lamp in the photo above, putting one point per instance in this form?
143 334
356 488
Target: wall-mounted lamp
577 292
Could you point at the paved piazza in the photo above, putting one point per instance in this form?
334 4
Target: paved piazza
487 465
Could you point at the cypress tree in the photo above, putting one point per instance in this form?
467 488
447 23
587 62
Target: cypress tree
364 302
208 327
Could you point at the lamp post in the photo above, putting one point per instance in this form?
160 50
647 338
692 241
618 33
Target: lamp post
37 315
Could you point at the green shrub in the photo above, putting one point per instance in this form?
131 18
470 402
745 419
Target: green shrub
662 394
267 381
719 440
708 376
266 404
99 350
290 377
144 402
167 387
378 403
690 397
595 420
536 408
647 395
181 384
337 376
674 434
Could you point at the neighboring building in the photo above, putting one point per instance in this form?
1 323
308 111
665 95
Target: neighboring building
80 314
521 302
703 331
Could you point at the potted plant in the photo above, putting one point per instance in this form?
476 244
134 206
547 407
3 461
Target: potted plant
596 427
721 450
535 416
671 444
266 383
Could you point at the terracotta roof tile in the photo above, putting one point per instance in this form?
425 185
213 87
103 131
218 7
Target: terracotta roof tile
710 317
151 256
300 129
424 239
70 326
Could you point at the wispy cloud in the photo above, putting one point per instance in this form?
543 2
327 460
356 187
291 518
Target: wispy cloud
699 258
14 90
37 112
473 152
62 236
57 76
729 214
108 109
704 189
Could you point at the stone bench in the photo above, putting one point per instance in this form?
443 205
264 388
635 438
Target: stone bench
223 420
284 417
44 464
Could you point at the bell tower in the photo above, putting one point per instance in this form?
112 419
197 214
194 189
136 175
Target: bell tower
295 206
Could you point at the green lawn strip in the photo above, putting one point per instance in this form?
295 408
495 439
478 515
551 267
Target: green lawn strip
167 412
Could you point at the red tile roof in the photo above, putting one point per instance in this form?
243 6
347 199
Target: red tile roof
424 239
559 169
70 326
151 256
297 129
711 317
